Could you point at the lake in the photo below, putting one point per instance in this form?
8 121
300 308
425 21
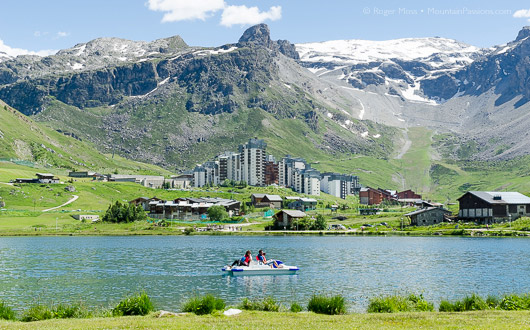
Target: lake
99 271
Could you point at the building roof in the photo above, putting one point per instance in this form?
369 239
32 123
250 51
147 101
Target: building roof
294 213
45 174
292 198
429 209
274 198
410 200
308 200
506 197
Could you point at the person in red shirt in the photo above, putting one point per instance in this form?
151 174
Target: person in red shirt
244 261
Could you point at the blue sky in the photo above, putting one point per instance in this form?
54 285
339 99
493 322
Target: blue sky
57 24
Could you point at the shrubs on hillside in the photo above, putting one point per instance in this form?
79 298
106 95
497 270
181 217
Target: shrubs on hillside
217 213
119 213
307 223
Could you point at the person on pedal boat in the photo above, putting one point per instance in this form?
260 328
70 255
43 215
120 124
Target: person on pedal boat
244 261
261 258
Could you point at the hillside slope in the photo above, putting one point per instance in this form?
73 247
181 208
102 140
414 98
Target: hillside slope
23 139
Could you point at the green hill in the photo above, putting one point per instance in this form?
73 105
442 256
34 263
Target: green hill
27 142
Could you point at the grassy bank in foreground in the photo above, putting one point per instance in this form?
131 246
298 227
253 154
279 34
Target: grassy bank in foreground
272 320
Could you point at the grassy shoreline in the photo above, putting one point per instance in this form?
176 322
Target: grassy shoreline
130 230
272 320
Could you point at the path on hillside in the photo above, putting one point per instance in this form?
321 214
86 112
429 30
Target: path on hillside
406 145
8 183
73 199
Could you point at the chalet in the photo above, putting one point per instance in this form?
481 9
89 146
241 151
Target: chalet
428 216
264 200
284 218
371 196
490 207
41 178
303 204
408 194
144 202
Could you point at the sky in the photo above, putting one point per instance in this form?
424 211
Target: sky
45 26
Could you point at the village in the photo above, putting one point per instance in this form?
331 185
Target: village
252 167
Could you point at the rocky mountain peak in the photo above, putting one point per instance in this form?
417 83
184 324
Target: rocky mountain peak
524 33
259 35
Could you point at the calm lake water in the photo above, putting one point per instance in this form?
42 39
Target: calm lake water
99 271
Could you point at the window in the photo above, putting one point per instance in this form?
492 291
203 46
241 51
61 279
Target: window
512 208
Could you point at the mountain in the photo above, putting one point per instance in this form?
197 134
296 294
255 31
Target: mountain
173 105
476 97
351 105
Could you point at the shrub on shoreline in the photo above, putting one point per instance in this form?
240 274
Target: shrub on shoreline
334 305
267 304
469 303
395 304
60 311
515 302
139 304
204 305
296 308
6 312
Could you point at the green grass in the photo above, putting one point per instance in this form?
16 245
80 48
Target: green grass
203 305
266 320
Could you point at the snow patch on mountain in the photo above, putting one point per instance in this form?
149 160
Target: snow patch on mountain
364 51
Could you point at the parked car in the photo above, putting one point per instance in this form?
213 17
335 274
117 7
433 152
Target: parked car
338 227
384 224
367 225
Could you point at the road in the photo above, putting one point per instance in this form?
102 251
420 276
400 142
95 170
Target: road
71 200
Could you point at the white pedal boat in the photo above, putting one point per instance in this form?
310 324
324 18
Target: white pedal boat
260 269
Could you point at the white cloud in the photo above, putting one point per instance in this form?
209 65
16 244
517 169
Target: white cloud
243 15
18 51
180 10
522 13
62 34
